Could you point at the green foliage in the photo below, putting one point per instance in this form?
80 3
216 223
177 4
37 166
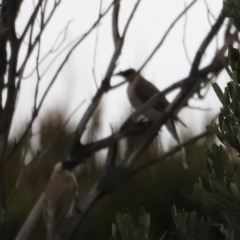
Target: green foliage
227 130
218 192
124 230
188 226
218 189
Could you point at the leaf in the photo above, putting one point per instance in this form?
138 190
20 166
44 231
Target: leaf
225 64
218 92
179 221
212 129
234 190
115 233
222 192
211 199
193 222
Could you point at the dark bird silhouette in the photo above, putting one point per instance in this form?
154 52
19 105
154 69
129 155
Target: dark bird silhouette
59 200
139 91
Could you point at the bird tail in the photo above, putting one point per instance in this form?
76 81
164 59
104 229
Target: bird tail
179 120
172 129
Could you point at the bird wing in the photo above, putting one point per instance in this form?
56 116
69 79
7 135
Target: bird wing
65 201
172 129
147 91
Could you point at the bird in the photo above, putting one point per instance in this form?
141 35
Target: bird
139 91
59 202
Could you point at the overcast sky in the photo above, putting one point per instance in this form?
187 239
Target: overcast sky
76 82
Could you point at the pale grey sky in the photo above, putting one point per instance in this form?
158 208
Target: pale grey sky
76 82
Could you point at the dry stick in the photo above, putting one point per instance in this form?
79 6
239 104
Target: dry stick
95 49
33 45
40 155
209 12
115 30
37 65
171 152
184 38
174 150
162 40
91 148
166 34
197 60
27 228
31 221
130 18
8 111
54 48
156 98
187 91
118 42
215 66
31 20
65 48
53 80
20 73
96 193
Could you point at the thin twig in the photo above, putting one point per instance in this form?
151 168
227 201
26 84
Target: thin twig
95 48
171 152
53 49
166 34
130 18
209 12
184 37
33 45
53 80
181 99
211 34
31 20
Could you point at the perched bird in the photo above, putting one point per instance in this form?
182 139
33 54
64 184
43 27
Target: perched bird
139 91
59 200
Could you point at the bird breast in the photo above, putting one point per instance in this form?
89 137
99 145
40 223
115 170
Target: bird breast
149 114
133 99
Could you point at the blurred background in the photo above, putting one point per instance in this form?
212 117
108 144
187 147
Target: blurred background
158 187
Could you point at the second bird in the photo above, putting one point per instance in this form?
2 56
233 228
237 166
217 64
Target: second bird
139 92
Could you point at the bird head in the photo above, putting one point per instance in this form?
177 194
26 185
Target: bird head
127 74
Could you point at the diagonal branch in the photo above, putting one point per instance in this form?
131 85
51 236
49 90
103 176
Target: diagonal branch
188 89
212 33
166 34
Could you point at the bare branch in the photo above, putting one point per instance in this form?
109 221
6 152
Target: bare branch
130 18
214 67
95 48
105 86
24 175
53 49
171 152
31 20
31 220
33 45
184 37
115 30
54 78
166 34
181 99
214 30
209 12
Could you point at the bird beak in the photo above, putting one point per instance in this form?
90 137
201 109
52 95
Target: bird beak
118 74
